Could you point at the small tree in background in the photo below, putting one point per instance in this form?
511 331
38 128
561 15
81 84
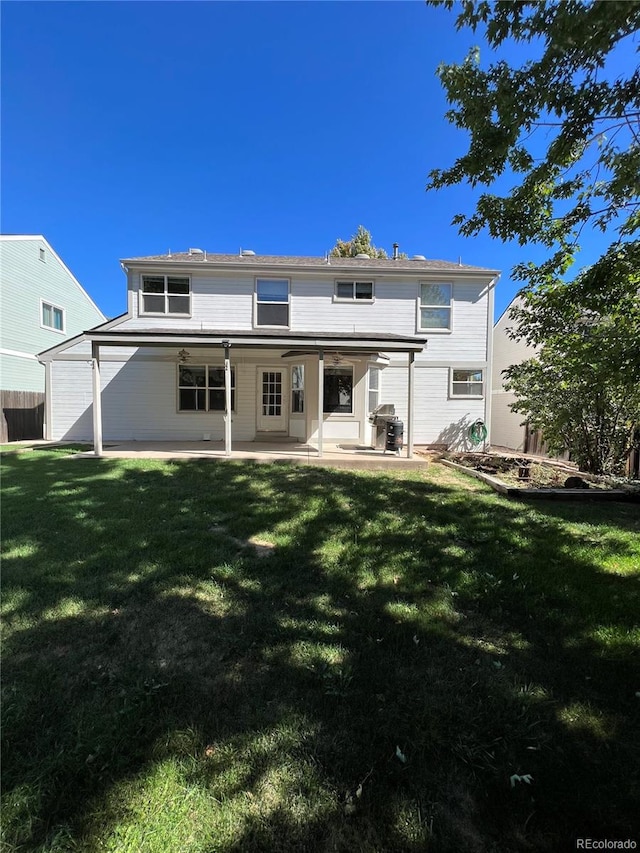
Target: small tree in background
360 243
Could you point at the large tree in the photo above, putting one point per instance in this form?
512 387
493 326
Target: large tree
563 126
582 389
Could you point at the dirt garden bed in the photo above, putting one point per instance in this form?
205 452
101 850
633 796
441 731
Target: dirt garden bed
524 477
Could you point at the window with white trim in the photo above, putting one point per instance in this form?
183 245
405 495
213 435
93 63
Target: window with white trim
466 383
435 306
297 389
354 291
166 294
374 388
338 390
201 388
52 317
272 302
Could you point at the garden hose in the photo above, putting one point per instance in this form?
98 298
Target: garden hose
477 432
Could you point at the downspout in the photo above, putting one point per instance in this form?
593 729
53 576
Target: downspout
48 401
489 350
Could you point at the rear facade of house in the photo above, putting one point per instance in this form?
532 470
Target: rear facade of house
313 346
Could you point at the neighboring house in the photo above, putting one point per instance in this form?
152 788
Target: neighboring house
276 340
509 429
42 304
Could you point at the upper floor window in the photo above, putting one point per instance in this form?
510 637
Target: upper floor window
166 294
42 254
354 291
272 302
466 383
435 306
201 388
52 317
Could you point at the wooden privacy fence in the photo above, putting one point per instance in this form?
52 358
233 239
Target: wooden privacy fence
22 415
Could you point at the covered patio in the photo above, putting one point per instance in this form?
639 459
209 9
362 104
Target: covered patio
321 351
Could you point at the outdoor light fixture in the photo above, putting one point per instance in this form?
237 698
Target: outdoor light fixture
183 356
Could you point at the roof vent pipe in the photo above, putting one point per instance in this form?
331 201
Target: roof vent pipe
395 251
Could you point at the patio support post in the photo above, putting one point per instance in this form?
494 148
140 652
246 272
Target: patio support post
227 399
97 399
410 379
48 401
320 398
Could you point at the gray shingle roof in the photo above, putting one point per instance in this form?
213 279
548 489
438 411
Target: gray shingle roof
289 261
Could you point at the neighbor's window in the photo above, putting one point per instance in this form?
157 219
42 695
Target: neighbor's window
374 388
297 389
52 317
435 305
466 383
338 390
272 302
354 291
201 388
166 294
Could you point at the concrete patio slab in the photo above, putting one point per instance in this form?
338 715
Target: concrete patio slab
334 456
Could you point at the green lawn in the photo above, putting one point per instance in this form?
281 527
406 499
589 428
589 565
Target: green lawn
418 664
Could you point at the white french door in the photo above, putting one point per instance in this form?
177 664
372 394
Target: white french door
272 399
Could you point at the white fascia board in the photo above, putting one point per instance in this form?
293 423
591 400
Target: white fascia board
292 269
137 340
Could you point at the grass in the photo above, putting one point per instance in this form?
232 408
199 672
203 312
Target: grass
413 648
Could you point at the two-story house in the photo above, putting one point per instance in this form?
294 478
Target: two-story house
42 304
247 347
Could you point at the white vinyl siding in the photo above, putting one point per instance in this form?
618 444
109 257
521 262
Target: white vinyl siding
438 418
224 302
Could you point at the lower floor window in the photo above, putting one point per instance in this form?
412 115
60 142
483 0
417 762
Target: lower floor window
297 389
201 388
374 388
466 383
338 390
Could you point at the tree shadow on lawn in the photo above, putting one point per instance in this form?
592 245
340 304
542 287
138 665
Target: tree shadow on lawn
422 641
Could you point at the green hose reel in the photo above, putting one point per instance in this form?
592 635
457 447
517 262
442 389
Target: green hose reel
478 432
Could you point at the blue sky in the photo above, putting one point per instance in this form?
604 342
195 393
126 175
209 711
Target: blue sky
131 128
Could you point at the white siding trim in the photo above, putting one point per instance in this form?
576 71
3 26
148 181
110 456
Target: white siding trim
18 354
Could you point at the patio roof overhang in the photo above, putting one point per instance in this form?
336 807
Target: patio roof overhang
354 342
